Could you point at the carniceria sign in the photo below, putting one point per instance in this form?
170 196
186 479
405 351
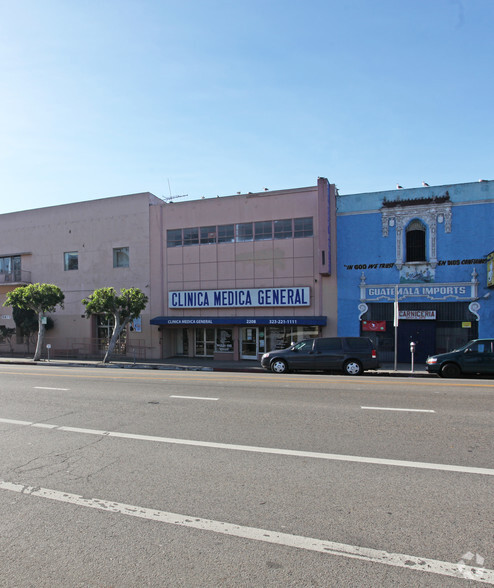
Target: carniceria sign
417 315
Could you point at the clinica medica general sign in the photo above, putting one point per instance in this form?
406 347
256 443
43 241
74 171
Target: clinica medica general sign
244 298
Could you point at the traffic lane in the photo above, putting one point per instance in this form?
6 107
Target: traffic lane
317 418
62 377
48 544
406 510
57 377
312 423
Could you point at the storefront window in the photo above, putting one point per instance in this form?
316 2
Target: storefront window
224 341
283 337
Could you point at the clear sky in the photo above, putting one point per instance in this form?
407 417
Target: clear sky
213 97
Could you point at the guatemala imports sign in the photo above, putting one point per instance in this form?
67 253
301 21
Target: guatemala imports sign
244 298
436 292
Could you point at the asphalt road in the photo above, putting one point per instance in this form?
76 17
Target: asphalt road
145 478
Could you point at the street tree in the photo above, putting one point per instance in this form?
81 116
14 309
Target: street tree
6 335
40 298
123 307
26 321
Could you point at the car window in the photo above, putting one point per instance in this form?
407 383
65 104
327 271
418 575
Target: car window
330 344
358 344
304 346
481 347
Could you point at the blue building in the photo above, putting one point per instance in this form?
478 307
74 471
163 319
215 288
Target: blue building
412 265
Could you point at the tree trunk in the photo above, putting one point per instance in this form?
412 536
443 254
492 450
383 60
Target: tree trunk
41 337
117 330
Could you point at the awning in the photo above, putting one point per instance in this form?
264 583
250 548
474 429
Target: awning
313 321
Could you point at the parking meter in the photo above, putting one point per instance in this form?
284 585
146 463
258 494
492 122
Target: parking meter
412 350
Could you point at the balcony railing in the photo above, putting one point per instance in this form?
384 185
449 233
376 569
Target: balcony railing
15 277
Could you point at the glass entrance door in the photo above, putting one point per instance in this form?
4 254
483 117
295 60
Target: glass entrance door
251 339
204 342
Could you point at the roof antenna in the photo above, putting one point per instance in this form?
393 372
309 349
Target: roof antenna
172 198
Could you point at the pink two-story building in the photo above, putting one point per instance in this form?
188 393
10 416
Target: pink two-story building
228 277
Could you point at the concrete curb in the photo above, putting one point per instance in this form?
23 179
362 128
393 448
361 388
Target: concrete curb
197 368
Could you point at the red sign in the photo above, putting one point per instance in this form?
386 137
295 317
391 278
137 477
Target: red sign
373 325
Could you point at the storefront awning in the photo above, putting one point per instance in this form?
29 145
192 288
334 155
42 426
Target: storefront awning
240 320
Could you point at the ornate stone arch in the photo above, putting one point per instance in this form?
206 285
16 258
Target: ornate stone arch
431 212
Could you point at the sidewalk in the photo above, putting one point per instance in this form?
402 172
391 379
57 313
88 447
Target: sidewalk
200 364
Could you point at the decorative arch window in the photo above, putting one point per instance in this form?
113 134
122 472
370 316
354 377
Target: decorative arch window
415 241
402 216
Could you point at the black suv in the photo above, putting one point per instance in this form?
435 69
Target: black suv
476 357
352 355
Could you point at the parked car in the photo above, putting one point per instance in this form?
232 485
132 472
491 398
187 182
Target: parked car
476 357
352 355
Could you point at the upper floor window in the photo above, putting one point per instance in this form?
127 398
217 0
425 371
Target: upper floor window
226 234
244 232
302 227
191 236
10 267
121 257
415 241
263 230
241 232
174 238
70 260
283 229
208 235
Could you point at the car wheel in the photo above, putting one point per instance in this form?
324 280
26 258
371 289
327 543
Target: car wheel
450 370
353 367
279 366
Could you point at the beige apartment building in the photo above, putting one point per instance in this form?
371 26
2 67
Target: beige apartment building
227 278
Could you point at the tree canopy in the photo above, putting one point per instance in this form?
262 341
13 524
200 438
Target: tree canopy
40 298
123 307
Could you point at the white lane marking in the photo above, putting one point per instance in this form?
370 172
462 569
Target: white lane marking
47 388
194 397
396 409
265 450
400 560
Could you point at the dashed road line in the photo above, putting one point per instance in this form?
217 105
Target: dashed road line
396 409
194 397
